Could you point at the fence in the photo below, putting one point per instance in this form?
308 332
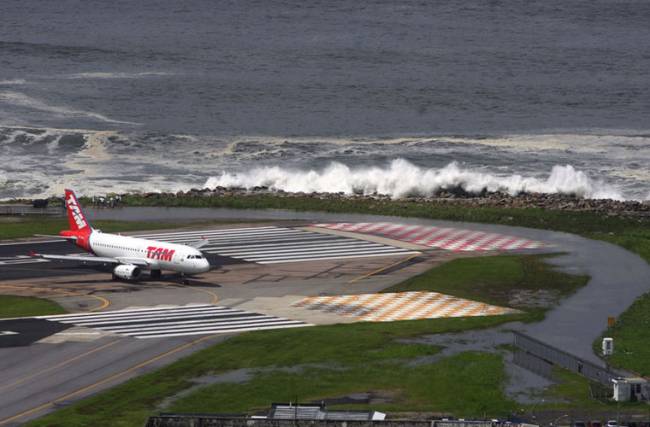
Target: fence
206 420
21 210
540 358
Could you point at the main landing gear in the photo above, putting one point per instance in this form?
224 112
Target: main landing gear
184 279
155 274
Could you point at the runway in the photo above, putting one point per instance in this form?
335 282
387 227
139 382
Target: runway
174 321
42 377
111 346
261 245
271 245
264 272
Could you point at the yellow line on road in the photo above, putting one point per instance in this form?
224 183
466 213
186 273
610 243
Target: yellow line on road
215 297
103 381
105 302
372 273
66 362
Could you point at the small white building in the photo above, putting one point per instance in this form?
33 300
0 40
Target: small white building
631 389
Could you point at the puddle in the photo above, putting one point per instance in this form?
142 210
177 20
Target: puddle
237 376
522 386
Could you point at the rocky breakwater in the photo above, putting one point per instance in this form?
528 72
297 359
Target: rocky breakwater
561 202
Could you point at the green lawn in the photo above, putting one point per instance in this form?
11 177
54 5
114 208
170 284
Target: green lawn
631 334
337 359
524 282
14 306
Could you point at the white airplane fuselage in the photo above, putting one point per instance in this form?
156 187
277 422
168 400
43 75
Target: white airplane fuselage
159 255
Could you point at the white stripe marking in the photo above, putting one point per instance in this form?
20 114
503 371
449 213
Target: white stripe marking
217 331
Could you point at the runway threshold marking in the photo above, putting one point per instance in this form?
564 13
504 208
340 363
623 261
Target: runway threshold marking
176 321
452 239
60 365
103 381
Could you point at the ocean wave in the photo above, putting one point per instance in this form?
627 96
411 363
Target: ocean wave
402 178
116 75
13 82
21 100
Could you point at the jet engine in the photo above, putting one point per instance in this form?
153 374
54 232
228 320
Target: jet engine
127 272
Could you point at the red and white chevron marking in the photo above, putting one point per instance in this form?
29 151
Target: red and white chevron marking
452 239
390 307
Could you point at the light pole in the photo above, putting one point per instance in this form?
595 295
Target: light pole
534 408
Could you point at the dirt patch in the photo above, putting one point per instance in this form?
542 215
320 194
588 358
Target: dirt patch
539 298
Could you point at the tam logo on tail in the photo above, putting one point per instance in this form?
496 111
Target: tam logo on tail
76 217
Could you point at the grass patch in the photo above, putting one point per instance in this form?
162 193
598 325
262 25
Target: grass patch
477 377
524 282
348 358
15 306
631 334
572 389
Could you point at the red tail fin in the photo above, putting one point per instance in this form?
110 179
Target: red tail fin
76 217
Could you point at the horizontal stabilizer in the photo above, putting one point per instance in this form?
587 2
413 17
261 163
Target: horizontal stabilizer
55 236
199 243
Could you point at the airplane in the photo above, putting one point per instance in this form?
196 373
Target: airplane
130 255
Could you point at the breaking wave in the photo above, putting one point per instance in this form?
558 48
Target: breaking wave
22 100
402 178
116 75
12 82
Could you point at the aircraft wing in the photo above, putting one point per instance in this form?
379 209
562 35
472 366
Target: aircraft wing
140 262
199 243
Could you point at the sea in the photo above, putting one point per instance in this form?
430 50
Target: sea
397 97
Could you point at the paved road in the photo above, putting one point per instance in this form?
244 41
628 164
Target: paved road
258 244
39 378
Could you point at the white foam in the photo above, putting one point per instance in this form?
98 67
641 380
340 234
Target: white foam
402 178
115 75
13 82
22 100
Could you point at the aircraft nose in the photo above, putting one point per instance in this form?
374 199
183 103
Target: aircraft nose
205 266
